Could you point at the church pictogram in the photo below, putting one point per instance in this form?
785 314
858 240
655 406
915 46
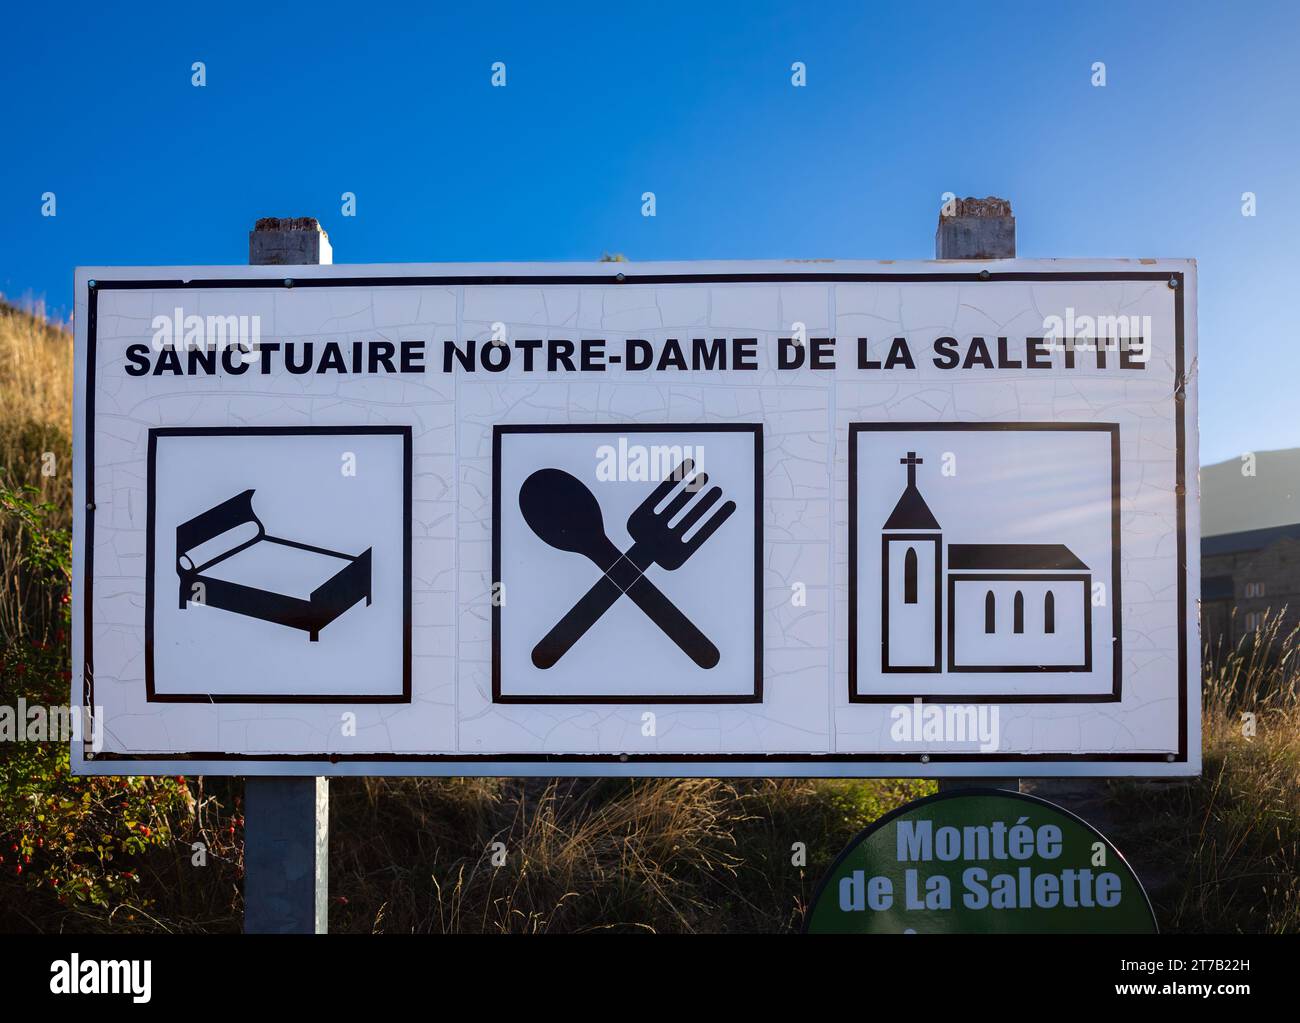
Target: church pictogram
993 607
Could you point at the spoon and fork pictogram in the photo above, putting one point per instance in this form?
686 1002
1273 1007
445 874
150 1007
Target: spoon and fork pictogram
564 513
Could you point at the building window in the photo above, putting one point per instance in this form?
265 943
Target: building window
1049 613
1254 620
1254 589
990 613
909 576
1018 613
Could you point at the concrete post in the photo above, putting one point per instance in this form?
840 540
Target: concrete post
289 241
977 229
286 829
286 855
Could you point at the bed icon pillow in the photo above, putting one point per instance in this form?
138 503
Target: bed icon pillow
227 560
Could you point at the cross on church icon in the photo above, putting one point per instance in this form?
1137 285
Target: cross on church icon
995 564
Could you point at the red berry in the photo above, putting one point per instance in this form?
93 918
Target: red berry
18 869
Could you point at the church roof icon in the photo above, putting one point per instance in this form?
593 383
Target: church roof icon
911 512
1018 557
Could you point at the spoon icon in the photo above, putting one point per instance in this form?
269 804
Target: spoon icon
564 513
561 510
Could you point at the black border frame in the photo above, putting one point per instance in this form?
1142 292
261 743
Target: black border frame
1116 596
755 695
1176 280
404 432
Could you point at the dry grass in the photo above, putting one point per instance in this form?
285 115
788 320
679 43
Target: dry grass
36 399
35 427
1226 847
1243 865
565 855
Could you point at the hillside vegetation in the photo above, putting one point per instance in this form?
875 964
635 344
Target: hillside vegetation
1220 853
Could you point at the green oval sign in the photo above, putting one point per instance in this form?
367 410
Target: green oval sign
980 861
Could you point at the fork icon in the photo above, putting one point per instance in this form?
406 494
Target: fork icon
563 512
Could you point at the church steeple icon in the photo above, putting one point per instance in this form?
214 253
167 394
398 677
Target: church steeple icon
911 512
912 594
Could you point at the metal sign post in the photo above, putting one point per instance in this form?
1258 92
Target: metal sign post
287 829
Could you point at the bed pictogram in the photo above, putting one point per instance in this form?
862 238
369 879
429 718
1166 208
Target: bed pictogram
226 559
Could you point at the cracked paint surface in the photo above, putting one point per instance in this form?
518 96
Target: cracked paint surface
806 416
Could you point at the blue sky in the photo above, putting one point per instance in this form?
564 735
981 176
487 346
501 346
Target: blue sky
903 103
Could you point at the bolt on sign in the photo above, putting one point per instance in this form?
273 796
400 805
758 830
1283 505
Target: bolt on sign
670 519
980 861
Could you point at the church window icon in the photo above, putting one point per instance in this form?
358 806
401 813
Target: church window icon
987 574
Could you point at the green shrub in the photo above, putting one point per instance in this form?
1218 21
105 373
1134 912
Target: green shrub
97 849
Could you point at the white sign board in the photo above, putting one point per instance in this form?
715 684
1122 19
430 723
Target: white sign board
660 519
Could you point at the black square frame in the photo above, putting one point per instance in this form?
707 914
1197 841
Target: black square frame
1115 596
756 429
152 695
